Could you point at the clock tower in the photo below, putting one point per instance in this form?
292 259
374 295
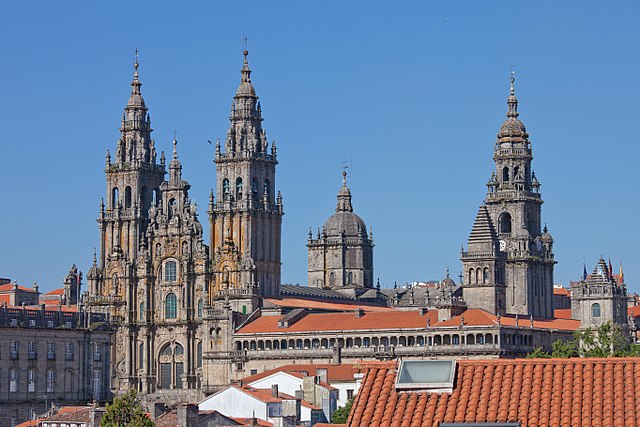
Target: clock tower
509 262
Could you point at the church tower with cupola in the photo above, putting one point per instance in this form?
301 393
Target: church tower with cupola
509 263
246 218
341 255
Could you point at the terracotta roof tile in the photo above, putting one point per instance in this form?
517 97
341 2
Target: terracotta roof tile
343 322
562 313
325 305
562 291
477 317
9 287
335 373
535 392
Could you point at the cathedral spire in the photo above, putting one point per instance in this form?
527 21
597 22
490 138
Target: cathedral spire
512 101
344 196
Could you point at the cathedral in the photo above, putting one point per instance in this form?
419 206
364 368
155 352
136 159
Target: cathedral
191 317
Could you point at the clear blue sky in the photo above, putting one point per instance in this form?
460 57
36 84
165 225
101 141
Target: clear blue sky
413 93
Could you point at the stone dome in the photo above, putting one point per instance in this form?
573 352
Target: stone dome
345 222
512 127
546 237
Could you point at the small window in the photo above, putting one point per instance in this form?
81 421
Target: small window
171 306
51 380
595 310
141 314
127 197
225 189
170 271
239 189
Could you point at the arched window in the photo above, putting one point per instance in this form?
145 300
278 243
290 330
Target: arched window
505 174
171 366
349 278
239 189
143 197
595 310
114 197
505 223
225 189
254 188
171 306
170 271
266 189
157 197
200 308
127 197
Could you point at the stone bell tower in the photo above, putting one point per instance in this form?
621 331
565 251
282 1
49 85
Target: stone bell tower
246 218
133 181
509 264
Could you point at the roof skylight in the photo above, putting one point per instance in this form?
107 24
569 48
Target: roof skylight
427 375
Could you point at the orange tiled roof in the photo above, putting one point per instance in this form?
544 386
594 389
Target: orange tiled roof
535 392
9 287
634 310
477 317
562 313
35 423
305 303
343 321
342 372
561 291
249 422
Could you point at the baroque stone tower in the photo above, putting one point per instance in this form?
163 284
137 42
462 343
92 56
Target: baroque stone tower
152 272
599 297
509 263
133 181
342 254
246 219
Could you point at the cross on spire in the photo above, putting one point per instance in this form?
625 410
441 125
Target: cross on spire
344 168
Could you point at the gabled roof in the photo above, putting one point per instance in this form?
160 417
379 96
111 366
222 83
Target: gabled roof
561 291
325 305
335 373
535 392
393 319
10 287
297 375
477 317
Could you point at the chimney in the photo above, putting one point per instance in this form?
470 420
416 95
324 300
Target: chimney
323 375
359 312
187 415
336 358
274 390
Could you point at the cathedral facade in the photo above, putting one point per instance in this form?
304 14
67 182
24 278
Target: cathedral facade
191 318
